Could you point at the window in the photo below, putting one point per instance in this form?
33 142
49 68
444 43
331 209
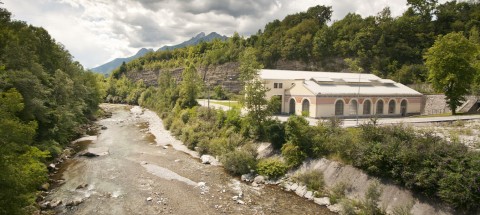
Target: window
291 109
380 107
391 107
353 107
339 108
306 107
278 85
366 107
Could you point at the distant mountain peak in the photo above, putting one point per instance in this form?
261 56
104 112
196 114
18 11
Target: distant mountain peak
200 37
195 40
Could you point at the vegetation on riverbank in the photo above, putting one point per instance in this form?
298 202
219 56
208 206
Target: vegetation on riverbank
420 161
46 98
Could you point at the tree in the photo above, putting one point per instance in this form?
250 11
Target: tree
254 100
450 62
189 87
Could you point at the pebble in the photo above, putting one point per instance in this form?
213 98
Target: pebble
149 199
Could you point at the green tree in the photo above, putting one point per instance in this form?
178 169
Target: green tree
254 100
189 87
450 64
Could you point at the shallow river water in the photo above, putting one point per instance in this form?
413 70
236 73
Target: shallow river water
140 176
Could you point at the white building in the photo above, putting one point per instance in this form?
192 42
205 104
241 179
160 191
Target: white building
327 94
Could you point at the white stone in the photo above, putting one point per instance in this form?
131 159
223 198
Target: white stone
301 190
322 201
336 208
149 199
259 179
309 195
240 202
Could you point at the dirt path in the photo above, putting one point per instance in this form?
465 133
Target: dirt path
140 176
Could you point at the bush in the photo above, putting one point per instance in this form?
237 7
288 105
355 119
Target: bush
337 192
293 155
313 179
272 167
167 122
240 161
275 131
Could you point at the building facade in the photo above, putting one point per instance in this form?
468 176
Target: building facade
343 95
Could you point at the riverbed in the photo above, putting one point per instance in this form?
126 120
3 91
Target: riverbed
144 170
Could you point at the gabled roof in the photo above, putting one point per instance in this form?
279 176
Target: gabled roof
336 83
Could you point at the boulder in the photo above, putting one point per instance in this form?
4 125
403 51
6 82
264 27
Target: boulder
309 195
45 186
95 152
207 159
45 205
291 187
301 190
74 202
81 186
149 199
51 167
247 177
259 179
322 201
336 208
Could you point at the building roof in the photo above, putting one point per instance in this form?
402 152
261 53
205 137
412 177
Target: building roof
337 83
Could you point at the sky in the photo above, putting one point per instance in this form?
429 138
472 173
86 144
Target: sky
97 31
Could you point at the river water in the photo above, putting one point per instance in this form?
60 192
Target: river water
145 173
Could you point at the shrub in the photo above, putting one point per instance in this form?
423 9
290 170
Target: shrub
240 161
293 155
272 167
176 127
313 179
275 131
167 122
372 197
337 192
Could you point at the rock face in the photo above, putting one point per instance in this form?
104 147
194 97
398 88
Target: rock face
392 196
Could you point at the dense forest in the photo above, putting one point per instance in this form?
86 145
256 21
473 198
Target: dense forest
46 98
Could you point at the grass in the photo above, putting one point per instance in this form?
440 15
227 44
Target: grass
232 104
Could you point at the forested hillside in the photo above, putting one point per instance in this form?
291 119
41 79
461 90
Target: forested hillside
45 98
391 47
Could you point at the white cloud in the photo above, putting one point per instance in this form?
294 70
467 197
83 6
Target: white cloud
95 31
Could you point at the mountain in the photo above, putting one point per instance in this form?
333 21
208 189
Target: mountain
110 66
107 68
195 40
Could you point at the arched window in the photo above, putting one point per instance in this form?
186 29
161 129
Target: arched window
391 107
380 107
306 107
403 108
367 105
292 106
353 107
339 108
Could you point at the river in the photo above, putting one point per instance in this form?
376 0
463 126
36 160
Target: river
145 173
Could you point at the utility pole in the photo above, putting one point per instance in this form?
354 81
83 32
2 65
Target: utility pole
358 94
229 99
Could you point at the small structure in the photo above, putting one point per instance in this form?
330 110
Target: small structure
344 95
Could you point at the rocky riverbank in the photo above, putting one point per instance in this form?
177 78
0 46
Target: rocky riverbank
147 171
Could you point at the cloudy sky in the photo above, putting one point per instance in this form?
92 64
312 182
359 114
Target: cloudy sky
96 31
